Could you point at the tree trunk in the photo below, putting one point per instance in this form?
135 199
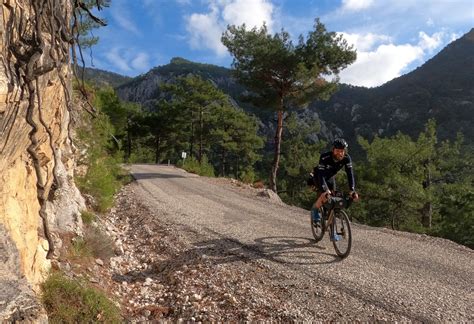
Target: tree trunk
427 214
427 211
276 158
129 141
201 126
192 139
223 163
237 168
157 150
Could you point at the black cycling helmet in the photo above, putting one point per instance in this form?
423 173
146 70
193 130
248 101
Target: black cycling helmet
340 143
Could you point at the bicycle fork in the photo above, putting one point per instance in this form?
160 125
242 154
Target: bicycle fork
331 224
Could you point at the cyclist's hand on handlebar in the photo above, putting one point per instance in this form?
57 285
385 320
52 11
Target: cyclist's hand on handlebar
354 195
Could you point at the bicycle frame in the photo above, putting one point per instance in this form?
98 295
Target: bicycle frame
336 222
337 203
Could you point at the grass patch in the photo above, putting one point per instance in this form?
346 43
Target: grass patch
94 244
71 301
100 244
88 217
80 249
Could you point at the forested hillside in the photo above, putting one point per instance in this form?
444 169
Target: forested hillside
101 77
440 89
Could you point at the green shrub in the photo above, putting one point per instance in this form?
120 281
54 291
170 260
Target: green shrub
248 176
142 155
101 182
71 301
80 248
87 217
203 169
457 217
94 244
103 158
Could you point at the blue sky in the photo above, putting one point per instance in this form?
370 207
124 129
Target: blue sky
392 37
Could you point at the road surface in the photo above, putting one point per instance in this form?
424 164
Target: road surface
388 275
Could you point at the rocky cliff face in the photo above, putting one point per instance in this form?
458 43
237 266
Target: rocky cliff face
38 198
17 300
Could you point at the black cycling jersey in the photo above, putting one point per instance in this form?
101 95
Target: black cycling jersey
328 167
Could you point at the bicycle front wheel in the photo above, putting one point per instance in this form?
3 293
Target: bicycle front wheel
343 238
318 228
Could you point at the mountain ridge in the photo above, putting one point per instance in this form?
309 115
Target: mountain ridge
439 89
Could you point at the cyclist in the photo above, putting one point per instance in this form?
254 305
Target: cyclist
324 176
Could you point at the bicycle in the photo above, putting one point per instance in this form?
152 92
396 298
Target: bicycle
336 220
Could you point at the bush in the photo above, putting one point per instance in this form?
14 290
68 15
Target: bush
457 218
94 244
247 176
80 248
71 301
102 160
87 217
203 169
101 180
142 155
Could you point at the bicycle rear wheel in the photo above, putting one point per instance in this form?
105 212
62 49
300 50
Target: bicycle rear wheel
318 228
342 227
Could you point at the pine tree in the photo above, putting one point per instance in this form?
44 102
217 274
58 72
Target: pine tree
422 186
281 75
234 140
195 96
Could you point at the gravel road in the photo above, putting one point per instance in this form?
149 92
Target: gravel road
389 275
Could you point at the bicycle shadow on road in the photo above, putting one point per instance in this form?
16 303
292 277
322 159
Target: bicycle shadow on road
278 249
293 250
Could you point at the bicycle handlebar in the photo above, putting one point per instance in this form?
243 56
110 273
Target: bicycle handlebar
339 201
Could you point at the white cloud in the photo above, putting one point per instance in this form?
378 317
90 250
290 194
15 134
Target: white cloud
380 60
128 60
430 43
252 13
375 68
416 29
205 30
356 5
454 36
141 62
115 58
365 42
